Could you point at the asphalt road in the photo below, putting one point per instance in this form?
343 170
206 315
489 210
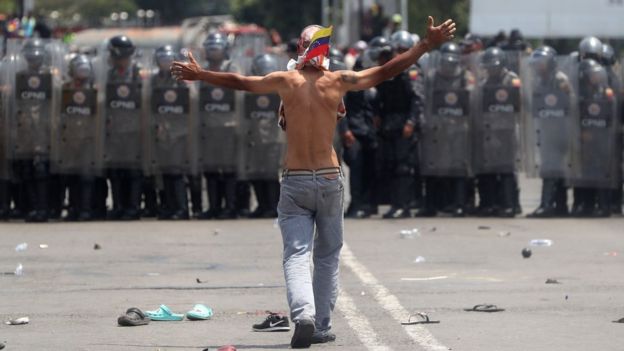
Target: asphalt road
73 293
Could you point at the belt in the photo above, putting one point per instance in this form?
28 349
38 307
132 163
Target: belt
311 172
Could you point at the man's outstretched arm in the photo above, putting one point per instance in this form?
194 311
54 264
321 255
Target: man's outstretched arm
373 76
191 70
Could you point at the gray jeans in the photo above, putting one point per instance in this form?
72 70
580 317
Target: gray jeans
304 202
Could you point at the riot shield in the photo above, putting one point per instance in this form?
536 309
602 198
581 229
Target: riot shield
549 115
77 137
445 142
172 126
219 119
125 116
262 141
496 123
5 146
595 161
34 71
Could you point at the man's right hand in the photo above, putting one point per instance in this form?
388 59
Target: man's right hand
348 139
186 70
440 34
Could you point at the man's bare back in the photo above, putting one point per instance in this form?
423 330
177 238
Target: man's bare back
311 96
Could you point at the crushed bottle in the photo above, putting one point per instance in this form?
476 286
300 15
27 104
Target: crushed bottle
541 242
19 270
21 247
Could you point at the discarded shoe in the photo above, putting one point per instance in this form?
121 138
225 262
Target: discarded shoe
199 313
302 337
18 321
273 322
484 308
133 318
419 318
164 314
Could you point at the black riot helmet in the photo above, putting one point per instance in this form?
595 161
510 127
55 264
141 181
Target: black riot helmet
377 47
336 60
543 60
590 48
592 73
121 47
215 47
449 63
80 67
34 52
164 57
494 60
608 55
263 65
402 41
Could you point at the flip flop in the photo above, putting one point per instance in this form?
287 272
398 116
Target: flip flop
419 318
484 308
133 318
199 312
164 314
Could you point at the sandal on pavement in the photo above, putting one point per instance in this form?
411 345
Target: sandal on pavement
133 318
199 312
164 314
419 318
484 308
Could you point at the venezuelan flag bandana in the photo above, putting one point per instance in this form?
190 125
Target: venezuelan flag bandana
317 52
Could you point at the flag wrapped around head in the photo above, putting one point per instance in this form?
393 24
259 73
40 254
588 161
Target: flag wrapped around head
316 53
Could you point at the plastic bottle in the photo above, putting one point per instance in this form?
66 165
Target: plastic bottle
19 270
21 247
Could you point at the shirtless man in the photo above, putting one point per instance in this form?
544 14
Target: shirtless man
312 184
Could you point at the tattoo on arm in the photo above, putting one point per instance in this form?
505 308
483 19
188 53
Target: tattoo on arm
350 78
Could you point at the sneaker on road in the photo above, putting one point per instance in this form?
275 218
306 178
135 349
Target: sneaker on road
274 322
321 337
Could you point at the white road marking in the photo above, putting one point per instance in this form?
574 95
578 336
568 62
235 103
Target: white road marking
359 323
424 279
390 303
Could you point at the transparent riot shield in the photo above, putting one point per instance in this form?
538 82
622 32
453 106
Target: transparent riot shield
172 125
496 117
125 114
5 141
445 142
595 161
34 77
262 142
219 118
549 118
77 136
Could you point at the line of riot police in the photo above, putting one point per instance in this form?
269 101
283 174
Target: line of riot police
451 134
114 136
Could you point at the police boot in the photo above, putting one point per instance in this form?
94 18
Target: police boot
460 197
243 198
546 208
486 186
230 200
398 209
272 198
508 196
74 200
261 190
20 197
100 195
429 207
39 199
118 199
167 199
133 211
214 199
561 201
603 208
4 201
616 201
150 203
87 189
582 206
56 197
180 198
195 189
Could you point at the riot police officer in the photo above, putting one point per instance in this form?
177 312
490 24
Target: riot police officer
399 110
495 135
123 148
32 120
5 166
551 122
77 157
171 127
359 137
446 156
219 119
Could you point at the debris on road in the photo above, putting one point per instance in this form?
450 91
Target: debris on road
526 252
621 320
409 233
484 308
198 281
18 321
611 253
504 234
483 227
134 317
419 318
541 242
21 247
97 247
19 270
419 259
43 246
552 281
